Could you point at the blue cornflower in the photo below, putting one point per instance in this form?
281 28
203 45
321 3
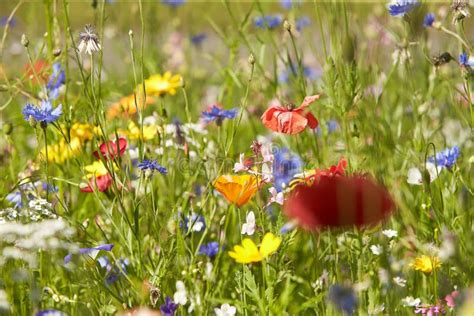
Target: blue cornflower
285 166
466 61
83 251
343 298
429 20
15 198
50 312
332 126
169 307
193 222
55 81
217 114
302 22
446 158
292 71
288 4
197 39
113 272
152 166
4 21
401 7
268 21
49 187
43 114
211 249
173 3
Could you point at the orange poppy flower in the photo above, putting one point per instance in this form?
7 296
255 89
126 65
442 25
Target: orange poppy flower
238 189
126 106
289 120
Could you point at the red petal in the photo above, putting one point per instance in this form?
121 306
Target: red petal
103 183
312 121
339 202
308 100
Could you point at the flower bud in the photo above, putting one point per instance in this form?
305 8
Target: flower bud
251 59
287 25
57 52
24 40
182 83
130 33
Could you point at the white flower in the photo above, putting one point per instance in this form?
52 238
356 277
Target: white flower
240 166
267 152
89 41
277 197
376 249
180 296
410 301
415 177
225 310
400 281
390 233
249 226
208 271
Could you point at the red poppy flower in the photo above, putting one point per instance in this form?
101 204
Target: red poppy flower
339 202
111 149
103 183
333 171
40 68
290 120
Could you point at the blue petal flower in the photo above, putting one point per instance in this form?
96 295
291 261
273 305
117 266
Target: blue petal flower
429 20
285 166
218 114
55 81
83 251
173 3
193 222
197 39
152 165
343 298
402 7
43 114
446 158
169 307
268 21
211 249
50 312
302 23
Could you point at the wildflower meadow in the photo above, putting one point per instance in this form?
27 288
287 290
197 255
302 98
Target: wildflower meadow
173 157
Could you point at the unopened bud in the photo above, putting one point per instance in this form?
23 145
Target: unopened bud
130 33
57 52
25 41
182 83
251 59
287 25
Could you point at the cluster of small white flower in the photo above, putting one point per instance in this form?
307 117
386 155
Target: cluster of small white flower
38 209
23 241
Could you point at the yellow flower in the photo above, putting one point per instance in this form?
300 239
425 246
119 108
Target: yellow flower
133 132
248 251
126 106
83 131
159 85
96 169
237 189
426 264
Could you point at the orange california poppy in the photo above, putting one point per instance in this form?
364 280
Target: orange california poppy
289 120
237 189
126 106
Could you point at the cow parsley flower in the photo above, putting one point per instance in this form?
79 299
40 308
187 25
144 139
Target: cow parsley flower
44 114
390 233
401 7
180 296
225 310
376 249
